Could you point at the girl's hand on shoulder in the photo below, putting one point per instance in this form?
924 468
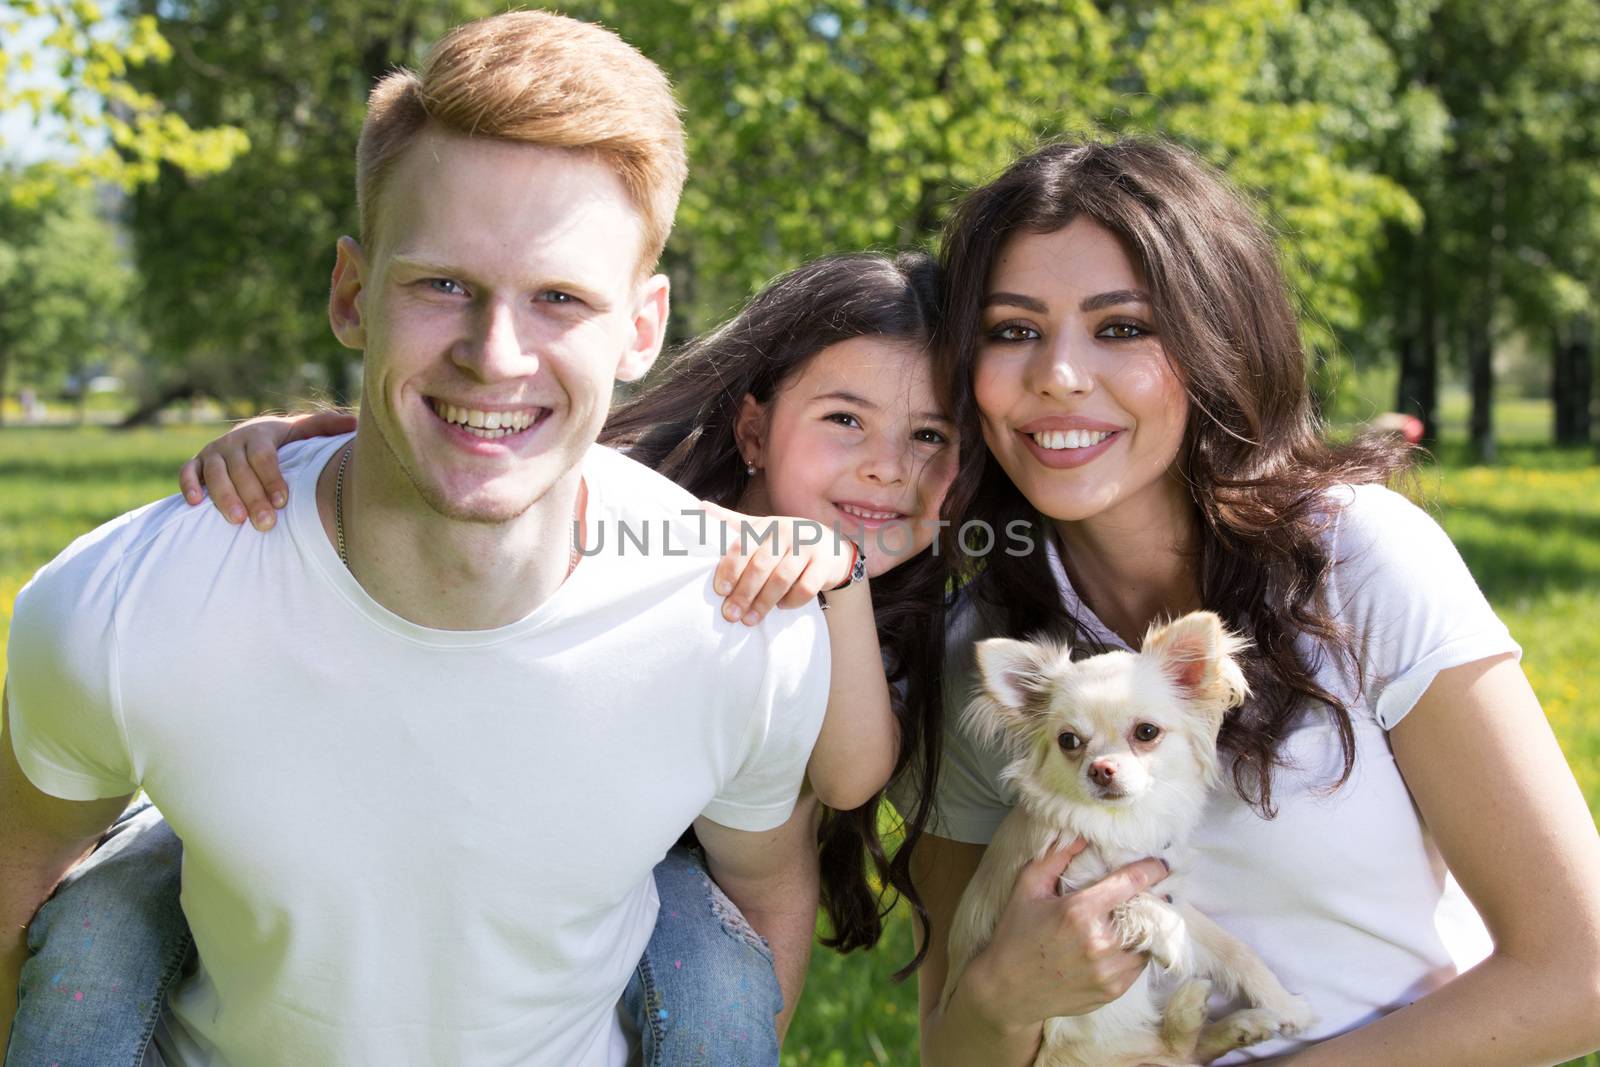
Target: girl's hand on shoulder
776 561
240 468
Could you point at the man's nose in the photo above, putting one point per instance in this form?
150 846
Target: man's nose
496 349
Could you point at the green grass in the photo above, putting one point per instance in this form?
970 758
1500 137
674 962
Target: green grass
1529 527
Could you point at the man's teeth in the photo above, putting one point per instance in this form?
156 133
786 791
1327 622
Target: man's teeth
863 513
487 424
1054 439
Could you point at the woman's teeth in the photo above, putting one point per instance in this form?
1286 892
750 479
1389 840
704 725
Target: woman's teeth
871 516
1056 439
487 424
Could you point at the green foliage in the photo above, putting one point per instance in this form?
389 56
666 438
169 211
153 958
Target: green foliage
124 134
64 286
812 128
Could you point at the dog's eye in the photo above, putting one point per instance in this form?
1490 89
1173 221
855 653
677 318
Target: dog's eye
1146 731
1069 741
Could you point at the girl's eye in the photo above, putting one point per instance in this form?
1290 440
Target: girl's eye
1122 331
930 437
1069 741
843 418
1013 331
448 286
1146 731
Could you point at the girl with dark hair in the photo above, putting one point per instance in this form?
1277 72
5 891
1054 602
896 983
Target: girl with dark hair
815 401
1118 334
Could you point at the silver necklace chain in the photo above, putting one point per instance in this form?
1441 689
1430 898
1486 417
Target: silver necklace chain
338 517
338 504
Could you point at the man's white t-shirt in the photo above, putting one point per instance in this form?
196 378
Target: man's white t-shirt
1343 894
405 845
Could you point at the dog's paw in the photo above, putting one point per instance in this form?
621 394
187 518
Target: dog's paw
1144 925
1294 1016
1248 1026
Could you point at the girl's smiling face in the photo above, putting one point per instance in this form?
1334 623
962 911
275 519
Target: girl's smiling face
856 441
1077 399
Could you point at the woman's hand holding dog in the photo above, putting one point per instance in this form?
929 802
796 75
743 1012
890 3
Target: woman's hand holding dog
1057 955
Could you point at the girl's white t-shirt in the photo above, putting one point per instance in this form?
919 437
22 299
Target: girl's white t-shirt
1343 893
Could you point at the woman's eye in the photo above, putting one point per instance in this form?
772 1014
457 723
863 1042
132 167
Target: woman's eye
448 286
843 418
1069 741
1013 331
1122 331
1146 731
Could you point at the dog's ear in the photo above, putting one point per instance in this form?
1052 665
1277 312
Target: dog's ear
1196 652
1014 681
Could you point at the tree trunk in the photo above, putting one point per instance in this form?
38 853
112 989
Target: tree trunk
145 414
1418 391
1480 362
5 370
1583 380
1571 385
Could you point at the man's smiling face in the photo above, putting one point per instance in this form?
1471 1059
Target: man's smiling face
499 302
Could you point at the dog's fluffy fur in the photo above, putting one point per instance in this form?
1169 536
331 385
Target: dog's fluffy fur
1088 765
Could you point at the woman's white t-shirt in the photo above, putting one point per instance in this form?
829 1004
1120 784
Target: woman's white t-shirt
1343 893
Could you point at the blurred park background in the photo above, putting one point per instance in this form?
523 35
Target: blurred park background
173 174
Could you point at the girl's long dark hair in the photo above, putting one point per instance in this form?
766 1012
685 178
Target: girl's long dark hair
1254 459
682 425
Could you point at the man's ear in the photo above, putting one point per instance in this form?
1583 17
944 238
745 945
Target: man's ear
649 329
750 430
345 313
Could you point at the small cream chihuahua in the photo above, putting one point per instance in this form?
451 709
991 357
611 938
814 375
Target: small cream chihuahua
1120 750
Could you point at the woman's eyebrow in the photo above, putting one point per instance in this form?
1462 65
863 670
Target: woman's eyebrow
1113 298
1027 303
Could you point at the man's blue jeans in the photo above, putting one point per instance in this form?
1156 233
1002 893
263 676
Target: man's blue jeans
108 946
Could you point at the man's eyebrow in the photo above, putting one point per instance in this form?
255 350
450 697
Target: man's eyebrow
1113 298
861 401
423 264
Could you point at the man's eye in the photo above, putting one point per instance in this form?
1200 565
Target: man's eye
1013 331
449 286
556 296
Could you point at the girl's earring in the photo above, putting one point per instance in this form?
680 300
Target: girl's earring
750 468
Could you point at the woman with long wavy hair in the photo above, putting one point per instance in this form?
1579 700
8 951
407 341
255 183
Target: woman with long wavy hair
1398 836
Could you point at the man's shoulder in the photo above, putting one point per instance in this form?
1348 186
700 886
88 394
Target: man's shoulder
640 507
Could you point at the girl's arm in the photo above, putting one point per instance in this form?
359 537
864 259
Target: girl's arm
860 740
240 468
1050 955
1500 801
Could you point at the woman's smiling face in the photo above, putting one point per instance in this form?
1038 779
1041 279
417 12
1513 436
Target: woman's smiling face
1077 399
856 441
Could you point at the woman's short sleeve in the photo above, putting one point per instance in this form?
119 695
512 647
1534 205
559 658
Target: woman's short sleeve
1412 606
